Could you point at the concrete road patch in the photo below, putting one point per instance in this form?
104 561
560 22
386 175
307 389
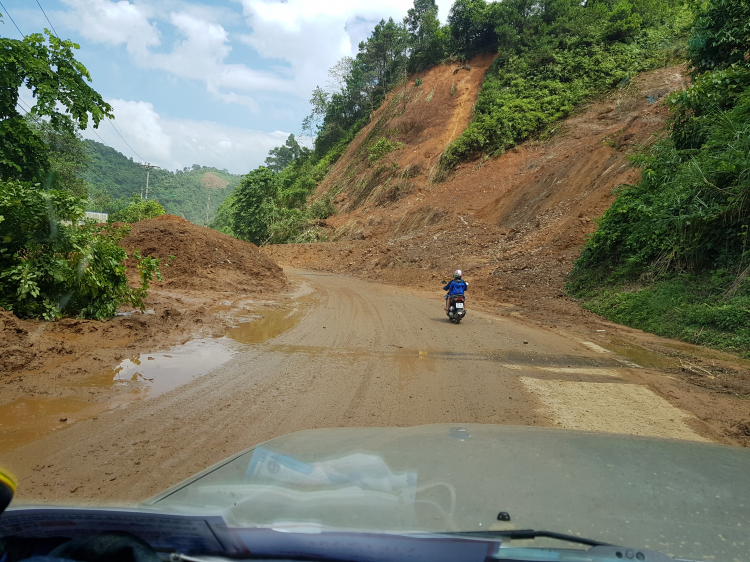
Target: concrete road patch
610 407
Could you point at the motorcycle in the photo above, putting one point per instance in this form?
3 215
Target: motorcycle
456 308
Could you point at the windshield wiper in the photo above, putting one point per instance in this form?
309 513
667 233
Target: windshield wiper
520 534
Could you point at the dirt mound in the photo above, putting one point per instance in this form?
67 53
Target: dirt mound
204 259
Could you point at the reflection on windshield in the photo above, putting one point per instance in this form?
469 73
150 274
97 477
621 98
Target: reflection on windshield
685 499
357 490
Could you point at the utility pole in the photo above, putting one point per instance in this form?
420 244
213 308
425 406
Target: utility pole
148 167
207 206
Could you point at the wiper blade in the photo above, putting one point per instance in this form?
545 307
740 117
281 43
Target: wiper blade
520 534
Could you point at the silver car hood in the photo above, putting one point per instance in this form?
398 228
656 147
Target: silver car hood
683 498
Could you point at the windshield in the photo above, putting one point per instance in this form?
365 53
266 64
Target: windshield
684 499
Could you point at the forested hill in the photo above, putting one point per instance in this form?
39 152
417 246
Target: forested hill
113 179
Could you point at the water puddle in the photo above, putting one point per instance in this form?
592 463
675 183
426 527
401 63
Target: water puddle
164 371
141 376
271 324
637 354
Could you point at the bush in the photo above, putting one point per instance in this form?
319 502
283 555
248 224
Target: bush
138 210
381 148
691 307
51 266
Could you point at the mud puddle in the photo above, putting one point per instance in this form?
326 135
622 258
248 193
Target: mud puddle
637 354
138 377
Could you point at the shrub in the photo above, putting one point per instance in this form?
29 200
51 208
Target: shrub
51 266
138 210
381 148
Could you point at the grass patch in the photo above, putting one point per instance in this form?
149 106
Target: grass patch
688 307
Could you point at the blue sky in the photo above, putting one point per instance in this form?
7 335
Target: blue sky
210 82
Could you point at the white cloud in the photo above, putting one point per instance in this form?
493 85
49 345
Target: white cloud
310 36
137 121
104 21
176 143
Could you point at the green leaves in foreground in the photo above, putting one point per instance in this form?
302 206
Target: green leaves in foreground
51 266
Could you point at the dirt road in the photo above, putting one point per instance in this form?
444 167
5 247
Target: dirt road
363 355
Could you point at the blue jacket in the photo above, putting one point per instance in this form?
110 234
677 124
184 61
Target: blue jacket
456 287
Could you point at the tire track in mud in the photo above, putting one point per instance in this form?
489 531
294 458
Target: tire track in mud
366 355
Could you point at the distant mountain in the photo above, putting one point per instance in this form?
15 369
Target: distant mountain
113 179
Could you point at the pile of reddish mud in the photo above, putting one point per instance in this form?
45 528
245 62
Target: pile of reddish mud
212 281
204 259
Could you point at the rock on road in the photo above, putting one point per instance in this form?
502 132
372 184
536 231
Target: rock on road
363 355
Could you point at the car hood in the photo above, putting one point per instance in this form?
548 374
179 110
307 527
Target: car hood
683 498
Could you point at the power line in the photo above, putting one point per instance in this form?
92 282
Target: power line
108 119
49 22
101 139
11 19
123 140
23 106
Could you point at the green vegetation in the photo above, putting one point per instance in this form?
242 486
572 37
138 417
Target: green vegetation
112 180
138 210
671 255
50 265
381 148
63 97
274 206
555 54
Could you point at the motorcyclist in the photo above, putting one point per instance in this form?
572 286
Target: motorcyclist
456 286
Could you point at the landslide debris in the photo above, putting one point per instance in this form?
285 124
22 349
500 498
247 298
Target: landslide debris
204 259
212 279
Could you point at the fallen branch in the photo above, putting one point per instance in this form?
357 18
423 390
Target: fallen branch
690 367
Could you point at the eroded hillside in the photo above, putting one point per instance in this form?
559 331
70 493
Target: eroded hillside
514 223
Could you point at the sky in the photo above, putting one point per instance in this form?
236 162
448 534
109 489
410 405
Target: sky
210 82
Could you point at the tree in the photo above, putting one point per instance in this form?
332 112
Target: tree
385 52
285 155
67 153
253 207
59 84
471 26
426 38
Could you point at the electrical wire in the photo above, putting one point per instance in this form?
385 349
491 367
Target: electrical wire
11 18
123 140
24 107
100 138
108 119
49 22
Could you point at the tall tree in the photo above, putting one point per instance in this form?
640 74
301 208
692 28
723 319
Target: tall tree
285 155
253 206
426 38
471 26
385 52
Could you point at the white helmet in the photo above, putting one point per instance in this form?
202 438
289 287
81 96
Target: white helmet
457 274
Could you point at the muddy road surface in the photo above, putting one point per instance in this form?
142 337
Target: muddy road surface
362 355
